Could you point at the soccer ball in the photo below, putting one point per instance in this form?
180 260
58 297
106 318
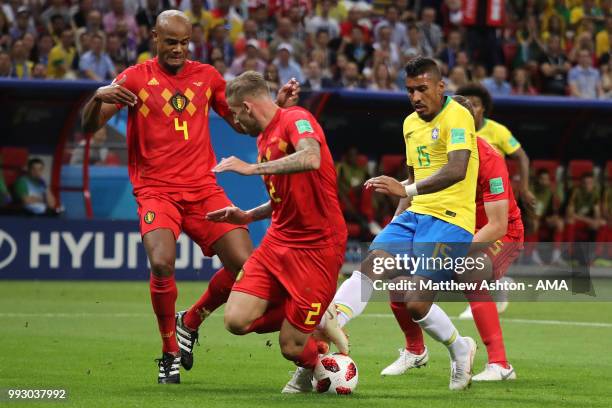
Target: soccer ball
335 374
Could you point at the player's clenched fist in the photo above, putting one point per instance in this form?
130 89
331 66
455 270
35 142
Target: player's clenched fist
233 215
116 94
234 164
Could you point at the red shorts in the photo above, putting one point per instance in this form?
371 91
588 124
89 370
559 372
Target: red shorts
505 251
304 279
185 211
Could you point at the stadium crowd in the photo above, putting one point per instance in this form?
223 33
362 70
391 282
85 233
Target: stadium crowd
553 47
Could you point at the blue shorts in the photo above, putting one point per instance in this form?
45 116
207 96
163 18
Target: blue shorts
426 237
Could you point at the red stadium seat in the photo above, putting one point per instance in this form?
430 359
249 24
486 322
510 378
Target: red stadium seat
14 162
392 163
608 175
551 165
576 168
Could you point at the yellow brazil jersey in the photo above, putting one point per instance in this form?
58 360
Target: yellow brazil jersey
427 146
499 137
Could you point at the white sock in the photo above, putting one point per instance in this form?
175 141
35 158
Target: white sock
352 297
437 324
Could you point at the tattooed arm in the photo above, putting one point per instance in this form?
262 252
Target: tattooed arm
306 157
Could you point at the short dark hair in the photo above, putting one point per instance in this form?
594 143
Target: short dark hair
479 91
34 161
542 171
421 65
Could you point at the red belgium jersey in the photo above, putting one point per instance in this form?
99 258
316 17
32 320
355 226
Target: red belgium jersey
168 133
306 212
494 185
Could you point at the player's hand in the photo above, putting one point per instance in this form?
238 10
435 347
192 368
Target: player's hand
387 185
529 199
233 215
289 94
236 165
116 94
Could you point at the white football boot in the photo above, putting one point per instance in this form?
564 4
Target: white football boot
461 369
405 362
300 382
495 372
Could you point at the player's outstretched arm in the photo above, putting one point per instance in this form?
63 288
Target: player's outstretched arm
103 105
235 215
306 157
523 160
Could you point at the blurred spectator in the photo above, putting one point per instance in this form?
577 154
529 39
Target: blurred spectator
79 17
357 50
584 80
554 67
250 33
530 46
382 79
351 79
297 23
397 28
6 67
272 78
323 21
584 41
22 24
314 80
453 45
57 27
456 78
22 68
497 84
546 218
118 14
266 26
97 150
93 26
95 64
586 10
583 213
39 71
129 44
338 10
220 66
226 15
32 193
61 57
44 45
452 15
602 39
252 52
5 37
287 67
346 27
56 8
284 35
521 83
116 52
387 49
415 45
29 43
198 49
606 77
432 33
321 48
146 16
198 15
479 73
219 39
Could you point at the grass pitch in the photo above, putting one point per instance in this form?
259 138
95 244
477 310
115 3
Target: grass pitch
98 340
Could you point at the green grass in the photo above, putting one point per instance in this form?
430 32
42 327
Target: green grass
98 341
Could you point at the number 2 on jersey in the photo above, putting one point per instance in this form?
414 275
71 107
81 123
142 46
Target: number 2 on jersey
423 156
312 313
181 127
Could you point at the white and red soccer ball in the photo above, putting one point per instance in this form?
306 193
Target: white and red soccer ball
335 374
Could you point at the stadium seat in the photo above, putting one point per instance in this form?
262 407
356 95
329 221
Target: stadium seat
576 168
14 161
392 163
551 165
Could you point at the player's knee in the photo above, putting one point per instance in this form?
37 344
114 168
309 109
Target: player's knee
291 350
235 324
162 267
373 258
418 310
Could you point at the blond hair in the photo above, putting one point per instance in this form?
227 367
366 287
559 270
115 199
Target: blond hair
249 83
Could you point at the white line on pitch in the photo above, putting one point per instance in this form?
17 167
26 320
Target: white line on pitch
366 315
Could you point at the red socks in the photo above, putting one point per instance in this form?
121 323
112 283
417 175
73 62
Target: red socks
218 291
270 322
310 355
163 298
487 322
412 331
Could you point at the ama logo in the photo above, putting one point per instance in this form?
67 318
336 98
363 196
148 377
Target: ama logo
8 249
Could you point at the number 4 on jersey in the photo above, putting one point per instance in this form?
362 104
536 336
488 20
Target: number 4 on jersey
181 127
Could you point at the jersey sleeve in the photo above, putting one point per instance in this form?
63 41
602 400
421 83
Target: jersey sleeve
299 125
217 98
458 131
495 183
508 143
131 76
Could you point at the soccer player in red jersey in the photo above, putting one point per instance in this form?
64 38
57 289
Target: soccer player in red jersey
289 281
498 221
170 166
